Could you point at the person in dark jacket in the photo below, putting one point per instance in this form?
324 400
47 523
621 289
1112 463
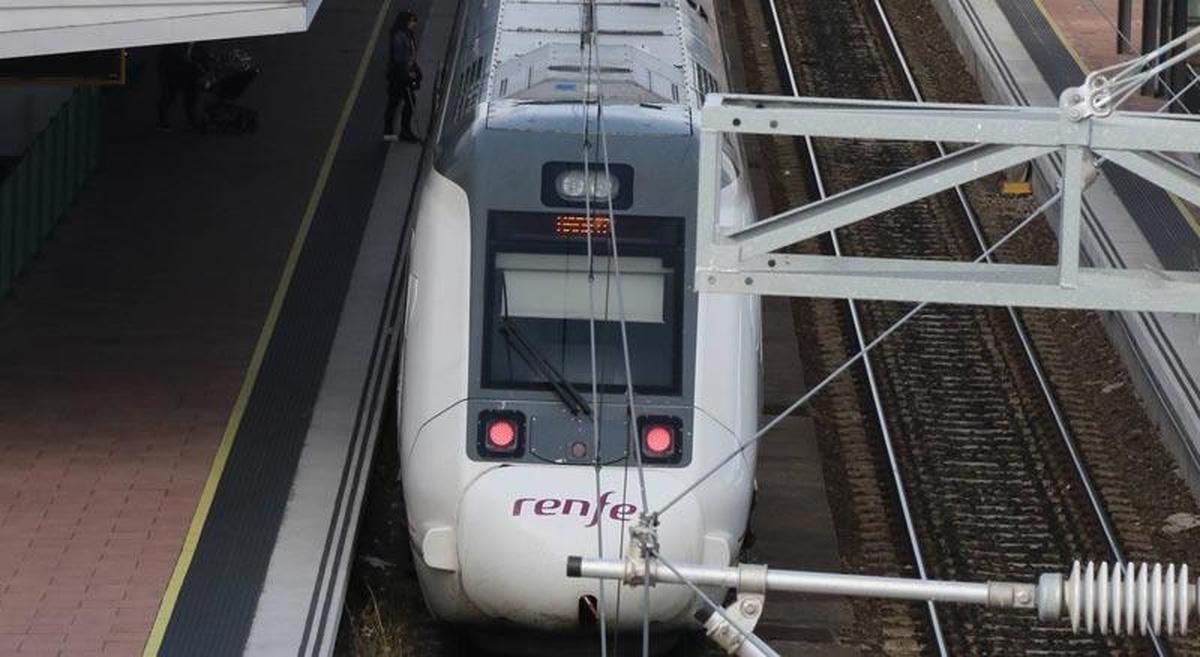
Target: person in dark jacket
403 77
179 71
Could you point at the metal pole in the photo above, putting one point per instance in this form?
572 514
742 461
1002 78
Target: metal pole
1164 35
1124 25
1179 26
1150 22
1150 599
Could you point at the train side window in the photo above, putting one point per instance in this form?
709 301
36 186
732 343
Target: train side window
706 82
468 88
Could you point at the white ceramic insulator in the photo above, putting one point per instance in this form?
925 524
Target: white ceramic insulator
1135 598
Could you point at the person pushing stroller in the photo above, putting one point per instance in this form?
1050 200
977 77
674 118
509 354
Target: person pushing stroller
403 77
210 80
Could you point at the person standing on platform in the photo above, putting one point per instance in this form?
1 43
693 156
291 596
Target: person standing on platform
403 77
179 71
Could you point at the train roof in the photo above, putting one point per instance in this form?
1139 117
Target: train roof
517 55
641 55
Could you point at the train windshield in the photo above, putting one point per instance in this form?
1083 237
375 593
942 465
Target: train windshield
541 282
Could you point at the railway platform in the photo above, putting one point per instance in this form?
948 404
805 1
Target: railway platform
790 477
1026 52
190 376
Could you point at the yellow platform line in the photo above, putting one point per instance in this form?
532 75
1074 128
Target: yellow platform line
1188 215
1186 211
1062 37
188 551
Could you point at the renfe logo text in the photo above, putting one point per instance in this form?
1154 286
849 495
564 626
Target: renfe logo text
554 506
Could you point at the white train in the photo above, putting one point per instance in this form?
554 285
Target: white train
495 434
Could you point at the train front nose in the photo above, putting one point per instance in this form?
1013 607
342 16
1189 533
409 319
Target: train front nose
518 525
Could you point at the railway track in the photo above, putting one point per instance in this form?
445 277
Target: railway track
993 483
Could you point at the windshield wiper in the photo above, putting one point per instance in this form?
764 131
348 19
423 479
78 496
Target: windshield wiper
563 388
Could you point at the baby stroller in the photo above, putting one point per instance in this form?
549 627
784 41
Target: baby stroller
227 74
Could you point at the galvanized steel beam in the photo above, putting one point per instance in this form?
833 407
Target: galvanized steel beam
841 210
971 124
940 281
745 258
1162 170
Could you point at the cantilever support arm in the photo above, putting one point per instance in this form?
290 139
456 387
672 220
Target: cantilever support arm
1162 599
734 254
846 208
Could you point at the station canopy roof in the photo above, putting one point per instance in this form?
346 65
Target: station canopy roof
38 27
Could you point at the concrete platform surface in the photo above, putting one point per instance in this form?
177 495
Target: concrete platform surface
793 524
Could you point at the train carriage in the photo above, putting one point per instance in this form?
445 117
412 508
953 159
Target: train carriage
513 266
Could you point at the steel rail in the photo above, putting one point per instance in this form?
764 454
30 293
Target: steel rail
1056 412
860 339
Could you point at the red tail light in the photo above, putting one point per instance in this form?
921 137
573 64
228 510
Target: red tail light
660 438
501 434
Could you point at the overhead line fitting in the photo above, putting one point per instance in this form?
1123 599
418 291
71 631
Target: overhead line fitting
1104 89
1121 599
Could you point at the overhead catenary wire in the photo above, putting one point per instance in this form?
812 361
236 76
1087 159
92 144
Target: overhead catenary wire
589 37
587 43
616 263
633 443
845 366
1128 83
1157 75
716 608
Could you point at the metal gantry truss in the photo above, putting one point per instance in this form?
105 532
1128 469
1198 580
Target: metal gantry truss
747 259
1084 130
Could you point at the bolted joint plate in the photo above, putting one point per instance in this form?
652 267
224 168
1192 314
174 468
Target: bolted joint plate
744 612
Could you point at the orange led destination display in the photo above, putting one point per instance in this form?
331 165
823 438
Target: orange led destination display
569 224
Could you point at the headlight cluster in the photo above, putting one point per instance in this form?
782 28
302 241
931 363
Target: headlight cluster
575 185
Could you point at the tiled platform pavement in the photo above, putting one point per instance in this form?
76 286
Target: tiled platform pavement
122 352
1089 26
94 503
